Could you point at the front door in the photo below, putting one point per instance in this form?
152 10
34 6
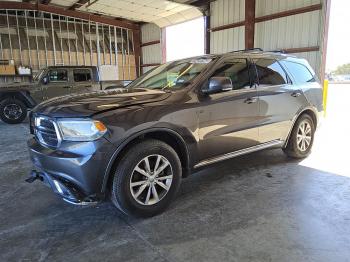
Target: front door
227 120
58 83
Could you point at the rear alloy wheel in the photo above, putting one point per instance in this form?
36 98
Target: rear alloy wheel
146 179
302 137
12 111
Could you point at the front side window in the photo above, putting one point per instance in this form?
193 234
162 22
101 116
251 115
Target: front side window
270 72
81 75
238 71
300 72
58 75
172 75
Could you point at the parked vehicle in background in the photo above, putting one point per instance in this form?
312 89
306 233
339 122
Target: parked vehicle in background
134 145
54 81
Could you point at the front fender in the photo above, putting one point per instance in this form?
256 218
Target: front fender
129 139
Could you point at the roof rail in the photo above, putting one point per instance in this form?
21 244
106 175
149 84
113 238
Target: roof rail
248 50
278 51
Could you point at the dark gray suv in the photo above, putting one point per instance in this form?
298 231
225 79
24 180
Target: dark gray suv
134 145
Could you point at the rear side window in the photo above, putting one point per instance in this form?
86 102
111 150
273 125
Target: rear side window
270 72
300 72
81 75
58 75
238 71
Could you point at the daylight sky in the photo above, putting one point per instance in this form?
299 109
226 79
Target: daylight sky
339 34
185 40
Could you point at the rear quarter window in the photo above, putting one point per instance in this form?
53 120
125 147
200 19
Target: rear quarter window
300 72
81 75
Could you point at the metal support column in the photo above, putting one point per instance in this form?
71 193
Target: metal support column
28 42
123 53
53 41
76 43
98 46
116 47
104 45
128 50
110 45
249 23
36 41
69 56
45 45
90 43
19 39
61 44
83 35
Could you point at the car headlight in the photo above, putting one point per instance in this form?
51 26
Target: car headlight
81 130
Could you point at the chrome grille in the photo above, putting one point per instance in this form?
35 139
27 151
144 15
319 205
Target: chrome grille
46 131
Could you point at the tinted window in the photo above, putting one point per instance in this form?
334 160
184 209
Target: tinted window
58 75
237 71
300 72
82 75
270 72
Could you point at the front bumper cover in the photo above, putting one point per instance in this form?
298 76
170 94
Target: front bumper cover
75 171
68 191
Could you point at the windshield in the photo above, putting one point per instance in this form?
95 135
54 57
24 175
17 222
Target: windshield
38 76
172 75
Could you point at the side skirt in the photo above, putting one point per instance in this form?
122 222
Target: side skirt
213 160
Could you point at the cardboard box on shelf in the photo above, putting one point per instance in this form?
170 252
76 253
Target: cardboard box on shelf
7 70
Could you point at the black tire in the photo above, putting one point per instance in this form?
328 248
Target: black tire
13 117
121 192
293 149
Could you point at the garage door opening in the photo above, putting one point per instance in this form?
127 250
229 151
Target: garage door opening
185 39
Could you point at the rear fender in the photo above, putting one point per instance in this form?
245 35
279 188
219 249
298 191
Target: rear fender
22 95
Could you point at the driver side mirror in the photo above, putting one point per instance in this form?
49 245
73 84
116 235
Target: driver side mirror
218 84
45 80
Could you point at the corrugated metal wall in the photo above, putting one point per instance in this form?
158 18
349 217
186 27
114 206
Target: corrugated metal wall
297 31
301 30
151 54
223 12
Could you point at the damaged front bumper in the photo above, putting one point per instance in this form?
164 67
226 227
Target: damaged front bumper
65 189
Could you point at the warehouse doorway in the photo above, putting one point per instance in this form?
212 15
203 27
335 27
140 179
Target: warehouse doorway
185 39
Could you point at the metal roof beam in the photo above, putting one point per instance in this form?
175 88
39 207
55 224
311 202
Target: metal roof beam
71 13
78 4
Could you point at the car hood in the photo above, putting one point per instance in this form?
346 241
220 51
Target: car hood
86 105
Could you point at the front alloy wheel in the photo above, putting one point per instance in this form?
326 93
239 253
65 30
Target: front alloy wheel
151 179
146 178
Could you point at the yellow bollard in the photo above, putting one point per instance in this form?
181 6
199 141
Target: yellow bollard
325 93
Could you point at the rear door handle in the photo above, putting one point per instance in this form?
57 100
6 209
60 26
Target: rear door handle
251 100
296 94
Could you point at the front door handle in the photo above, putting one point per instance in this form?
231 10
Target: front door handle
296 94
67 87
251 100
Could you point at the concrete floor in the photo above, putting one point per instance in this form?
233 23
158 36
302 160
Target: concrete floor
261 207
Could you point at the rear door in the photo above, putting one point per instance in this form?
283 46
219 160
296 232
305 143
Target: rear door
304 79
228 119
82 80
279 100
58 83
